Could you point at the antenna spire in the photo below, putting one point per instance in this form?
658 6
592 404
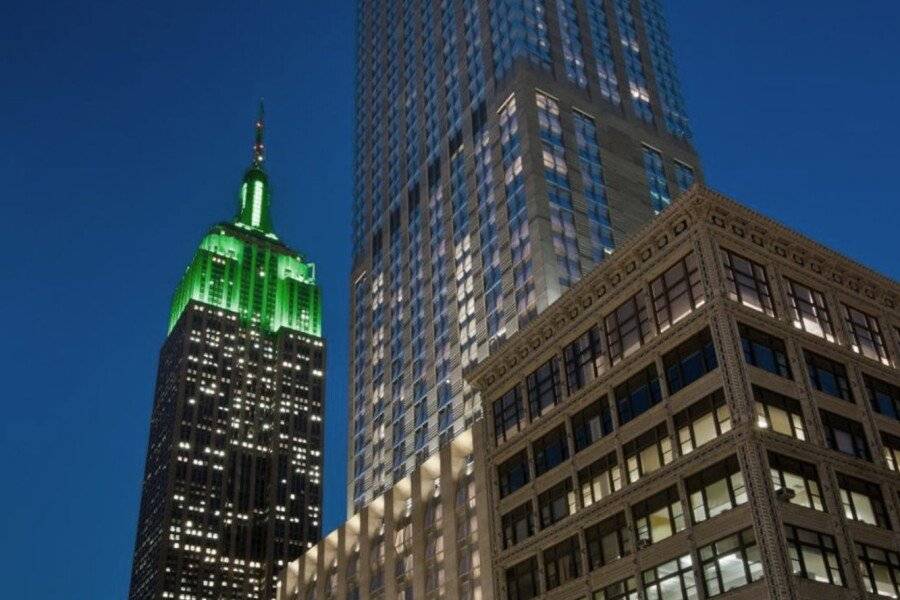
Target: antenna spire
259 148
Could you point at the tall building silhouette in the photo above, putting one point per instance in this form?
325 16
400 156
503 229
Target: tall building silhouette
502 149
232 488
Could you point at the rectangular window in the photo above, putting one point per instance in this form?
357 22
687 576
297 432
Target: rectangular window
764 351
809 311
731 562
845 435
865 335
862 501
557 503
799 479
518 525
543 388
513 473
638 394
584 360
627 327
591 424
813 555
684 176
562 563
716 489
550 450
648 452
658 517
677 292
509 415
599 479
891 445
656 178
779 413
702 422
828 376
620 590
607 541
880 570
522 580
690 361
673 580
884 397
748 283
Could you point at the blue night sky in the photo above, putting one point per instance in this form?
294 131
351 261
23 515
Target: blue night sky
125 132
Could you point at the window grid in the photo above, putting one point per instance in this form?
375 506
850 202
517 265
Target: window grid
813 555
865 335
730 562
672 580
809 311
627 327
584 359
880 570
677 292
716 489
748 283
800 477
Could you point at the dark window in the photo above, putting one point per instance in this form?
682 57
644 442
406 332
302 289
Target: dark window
513 473
584 360
627 327
880 570
522 580
638 394
599 479
764 351
690 361
865 335
562 563
659 516
550 450
891 445
828 376
518 525
677 292
648 452
862 501
702 422
845 435
779 413
591 424
543 388
809 311
813 555
748 283
509 415
801 478
730 563
620 590
607 541
716 489
672 580
556 503
884 397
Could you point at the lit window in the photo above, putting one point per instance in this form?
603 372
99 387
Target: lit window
748 283
677 292
627 327
584 360
880 570
779 413
620 590
809 311
862 501
813 555
702 422
518 525
716 489
599 479
672 580
730 563
658 517
891 451
556 503
800 479
865 335
648 452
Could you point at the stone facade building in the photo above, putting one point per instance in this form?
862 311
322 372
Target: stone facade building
714 410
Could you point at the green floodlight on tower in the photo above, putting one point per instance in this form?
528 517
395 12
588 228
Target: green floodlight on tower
242 267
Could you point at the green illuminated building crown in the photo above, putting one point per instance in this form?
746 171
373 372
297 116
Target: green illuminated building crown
242 267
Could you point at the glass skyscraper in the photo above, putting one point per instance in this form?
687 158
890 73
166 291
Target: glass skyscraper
502 149
232 485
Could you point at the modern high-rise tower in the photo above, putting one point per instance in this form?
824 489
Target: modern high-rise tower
503 148
232 488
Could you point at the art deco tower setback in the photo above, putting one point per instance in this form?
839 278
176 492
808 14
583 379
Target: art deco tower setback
502 149
232 488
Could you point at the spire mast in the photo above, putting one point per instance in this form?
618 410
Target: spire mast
259 148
